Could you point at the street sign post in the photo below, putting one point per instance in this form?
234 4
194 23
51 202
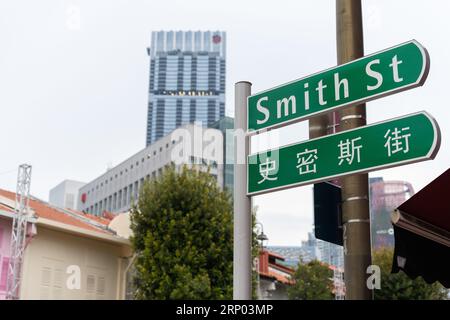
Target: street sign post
399 141
380 74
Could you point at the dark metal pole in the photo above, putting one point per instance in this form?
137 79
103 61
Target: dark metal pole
355 193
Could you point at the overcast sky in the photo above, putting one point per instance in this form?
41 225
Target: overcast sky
74 81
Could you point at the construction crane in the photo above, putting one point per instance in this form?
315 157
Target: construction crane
19 232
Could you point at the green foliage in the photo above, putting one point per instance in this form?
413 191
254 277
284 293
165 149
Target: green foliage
182 228
312 282
255 254
398 286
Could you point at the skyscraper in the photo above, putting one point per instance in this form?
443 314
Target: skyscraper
385 196
187 80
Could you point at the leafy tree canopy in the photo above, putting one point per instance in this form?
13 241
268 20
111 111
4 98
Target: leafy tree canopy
182 225
313 281
398 286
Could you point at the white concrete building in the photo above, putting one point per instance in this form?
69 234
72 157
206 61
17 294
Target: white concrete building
65 194
116 189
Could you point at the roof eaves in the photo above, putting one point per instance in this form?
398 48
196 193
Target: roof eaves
82 231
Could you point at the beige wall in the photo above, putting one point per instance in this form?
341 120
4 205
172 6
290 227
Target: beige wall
51 252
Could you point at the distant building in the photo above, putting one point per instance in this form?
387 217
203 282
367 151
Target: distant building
115 190
68 254
273 276
330 253
187 80
309 248
65 194
226 126
385 196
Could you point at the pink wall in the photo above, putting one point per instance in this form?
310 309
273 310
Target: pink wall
5 239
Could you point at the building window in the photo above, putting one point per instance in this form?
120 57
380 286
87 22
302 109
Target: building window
136 190
130 193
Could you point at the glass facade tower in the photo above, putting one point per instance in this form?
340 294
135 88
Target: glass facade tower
187 80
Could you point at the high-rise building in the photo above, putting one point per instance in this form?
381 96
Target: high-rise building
330 253
65 194
117 189
309 248
187 80
226 125
385 196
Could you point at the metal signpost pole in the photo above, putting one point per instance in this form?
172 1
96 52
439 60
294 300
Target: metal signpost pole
355 193
242 256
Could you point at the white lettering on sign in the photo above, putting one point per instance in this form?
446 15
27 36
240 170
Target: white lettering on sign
337 87
394 66
374 74
348 149
319 89
395 141
285 103
263 110
287 106
306 161
267 169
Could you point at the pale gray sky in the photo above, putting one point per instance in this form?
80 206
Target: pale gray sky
75 99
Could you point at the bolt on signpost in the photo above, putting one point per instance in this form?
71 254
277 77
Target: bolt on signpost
382 145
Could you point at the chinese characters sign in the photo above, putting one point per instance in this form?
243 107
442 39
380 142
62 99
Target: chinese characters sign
399 141
374 76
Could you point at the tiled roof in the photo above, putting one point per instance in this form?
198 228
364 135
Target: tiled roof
276 276
275 255
102 220
44 210
6 208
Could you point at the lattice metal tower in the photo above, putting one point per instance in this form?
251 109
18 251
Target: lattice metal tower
19 231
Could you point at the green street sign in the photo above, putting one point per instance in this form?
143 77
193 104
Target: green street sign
380 74
399 141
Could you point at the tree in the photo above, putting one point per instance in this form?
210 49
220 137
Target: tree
182 227
312 282
398 286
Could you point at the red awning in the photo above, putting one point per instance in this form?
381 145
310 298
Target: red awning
422 233
432 203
